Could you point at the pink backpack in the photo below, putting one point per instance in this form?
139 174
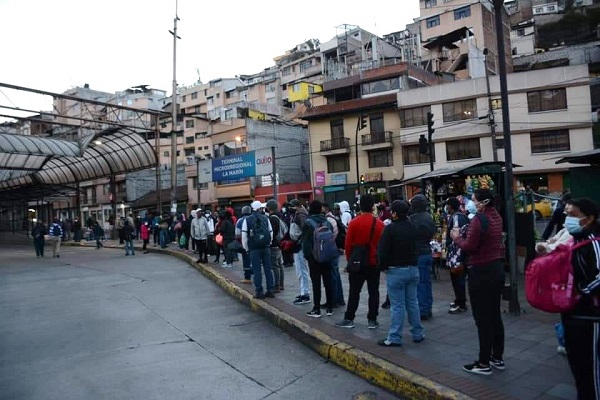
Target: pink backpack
549 280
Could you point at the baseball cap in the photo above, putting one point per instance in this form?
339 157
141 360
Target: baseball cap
294 203
256 205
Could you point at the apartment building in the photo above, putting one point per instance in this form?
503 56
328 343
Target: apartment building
455 33
522 38
550 117
341 156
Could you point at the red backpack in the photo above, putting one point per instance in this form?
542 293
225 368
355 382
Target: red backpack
549 280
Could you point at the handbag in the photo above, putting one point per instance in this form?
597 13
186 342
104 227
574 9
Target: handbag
235 247
359 258
219 239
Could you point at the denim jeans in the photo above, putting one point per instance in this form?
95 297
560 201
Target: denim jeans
402 291
424 290
277 266
163 238
302 273
39 243
247 265
336 282
129 247
261 260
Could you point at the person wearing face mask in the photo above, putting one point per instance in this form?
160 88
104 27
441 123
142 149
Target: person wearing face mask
471 209
582 323
485 252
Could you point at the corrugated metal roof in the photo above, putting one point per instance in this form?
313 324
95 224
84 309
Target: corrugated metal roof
350 106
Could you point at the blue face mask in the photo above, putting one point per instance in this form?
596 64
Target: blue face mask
471 208
572 225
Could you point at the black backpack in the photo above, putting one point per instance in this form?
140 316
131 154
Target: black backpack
258 232
340 239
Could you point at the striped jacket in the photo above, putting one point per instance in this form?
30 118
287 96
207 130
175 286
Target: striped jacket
51 229
586 272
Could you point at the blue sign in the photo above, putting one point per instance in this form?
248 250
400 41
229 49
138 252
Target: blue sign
233 167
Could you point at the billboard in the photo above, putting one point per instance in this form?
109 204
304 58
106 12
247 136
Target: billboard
235 167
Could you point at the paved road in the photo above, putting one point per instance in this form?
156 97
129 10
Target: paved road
99 325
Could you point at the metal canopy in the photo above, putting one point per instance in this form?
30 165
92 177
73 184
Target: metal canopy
41 166
591 157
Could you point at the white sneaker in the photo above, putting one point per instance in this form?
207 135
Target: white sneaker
227 265
561 350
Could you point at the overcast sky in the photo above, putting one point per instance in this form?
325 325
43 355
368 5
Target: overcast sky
54 45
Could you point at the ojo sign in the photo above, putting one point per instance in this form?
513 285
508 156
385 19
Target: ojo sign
252 163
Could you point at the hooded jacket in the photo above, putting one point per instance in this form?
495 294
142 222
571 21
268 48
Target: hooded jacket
199 228
345 214
423 222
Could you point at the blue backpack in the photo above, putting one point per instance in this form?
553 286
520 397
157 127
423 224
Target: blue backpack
258 232
324 248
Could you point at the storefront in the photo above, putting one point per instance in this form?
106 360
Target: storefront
338 190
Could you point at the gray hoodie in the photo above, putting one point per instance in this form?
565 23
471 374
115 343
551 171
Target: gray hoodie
424 223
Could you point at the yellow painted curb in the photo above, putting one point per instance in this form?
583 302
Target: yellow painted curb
379 372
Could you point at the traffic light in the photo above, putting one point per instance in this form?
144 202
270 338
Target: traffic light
423 145
430 129
362 179
363 122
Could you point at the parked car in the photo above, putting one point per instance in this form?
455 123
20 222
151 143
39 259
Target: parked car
543 207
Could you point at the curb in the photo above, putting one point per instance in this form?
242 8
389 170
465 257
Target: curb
382 373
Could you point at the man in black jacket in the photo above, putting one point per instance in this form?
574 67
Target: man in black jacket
397 255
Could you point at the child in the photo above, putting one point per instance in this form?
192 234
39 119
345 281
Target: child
145 233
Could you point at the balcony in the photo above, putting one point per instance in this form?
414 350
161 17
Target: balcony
335 146
378 140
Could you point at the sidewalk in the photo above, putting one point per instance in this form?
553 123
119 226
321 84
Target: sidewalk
432 369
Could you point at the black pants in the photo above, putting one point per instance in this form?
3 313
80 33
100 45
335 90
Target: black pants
317 271
460 289
357 279
145 244
485 291
582 342
202 250
155 237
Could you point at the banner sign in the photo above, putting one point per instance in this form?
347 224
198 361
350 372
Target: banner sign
319 178
235 167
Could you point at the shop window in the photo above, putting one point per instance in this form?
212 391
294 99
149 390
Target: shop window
417 116
339 163
547 100
460 110
550 141
433 21
381 158
463 149
337 128
376 123
412 156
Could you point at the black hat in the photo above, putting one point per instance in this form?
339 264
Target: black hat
400 207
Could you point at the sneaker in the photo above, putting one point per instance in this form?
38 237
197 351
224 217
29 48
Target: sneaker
224 262
314 313
372 324
426 317
227 265
302 300
497 363
346 323
246 281
259 296
387 343
420 340
270 295
477 368
456 310
386 304
329 312
561 350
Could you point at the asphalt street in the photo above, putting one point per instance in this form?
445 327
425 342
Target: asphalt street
95 324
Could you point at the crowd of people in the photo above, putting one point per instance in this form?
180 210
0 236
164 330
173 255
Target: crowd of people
394 239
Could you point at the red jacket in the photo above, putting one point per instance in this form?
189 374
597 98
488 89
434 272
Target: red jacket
358 234
483 247
145 232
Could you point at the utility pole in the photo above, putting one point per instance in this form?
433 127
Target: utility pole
275 188
514 307
430 131
491 118
157 148
174 117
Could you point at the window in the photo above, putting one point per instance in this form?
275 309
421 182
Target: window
178 153
547 100
463 12
520 32
414 116
210 101
230 94
218 95
496 104
433 21
381 158
459 110
539 10
189 139
296 87
205 147
339 163
286 71
183 99
376 123
189 123
551 8
380 86
228 114
200 135
411 155
463 149
337 128
311 89
166 154
194 95
430 3
269 88
189 152
304 65
179 133
550 141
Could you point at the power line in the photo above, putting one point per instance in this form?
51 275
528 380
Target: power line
8 98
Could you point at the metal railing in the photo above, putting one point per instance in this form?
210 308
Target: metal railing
335 144
377 138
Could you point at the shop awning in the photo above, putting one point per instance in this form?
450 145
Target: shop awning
478 168
591 157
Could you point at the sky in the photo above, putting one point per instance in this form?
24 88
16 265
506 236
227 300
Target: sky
54 45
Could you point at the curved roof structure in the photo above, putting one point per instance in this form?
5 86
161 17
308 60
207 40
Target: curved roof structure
35 161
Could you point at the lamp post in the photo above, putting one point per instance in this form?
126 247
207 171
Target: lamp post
238 139
174 116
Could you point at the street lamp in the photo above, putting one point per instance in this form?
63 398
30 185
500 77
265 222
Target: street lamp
238 139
